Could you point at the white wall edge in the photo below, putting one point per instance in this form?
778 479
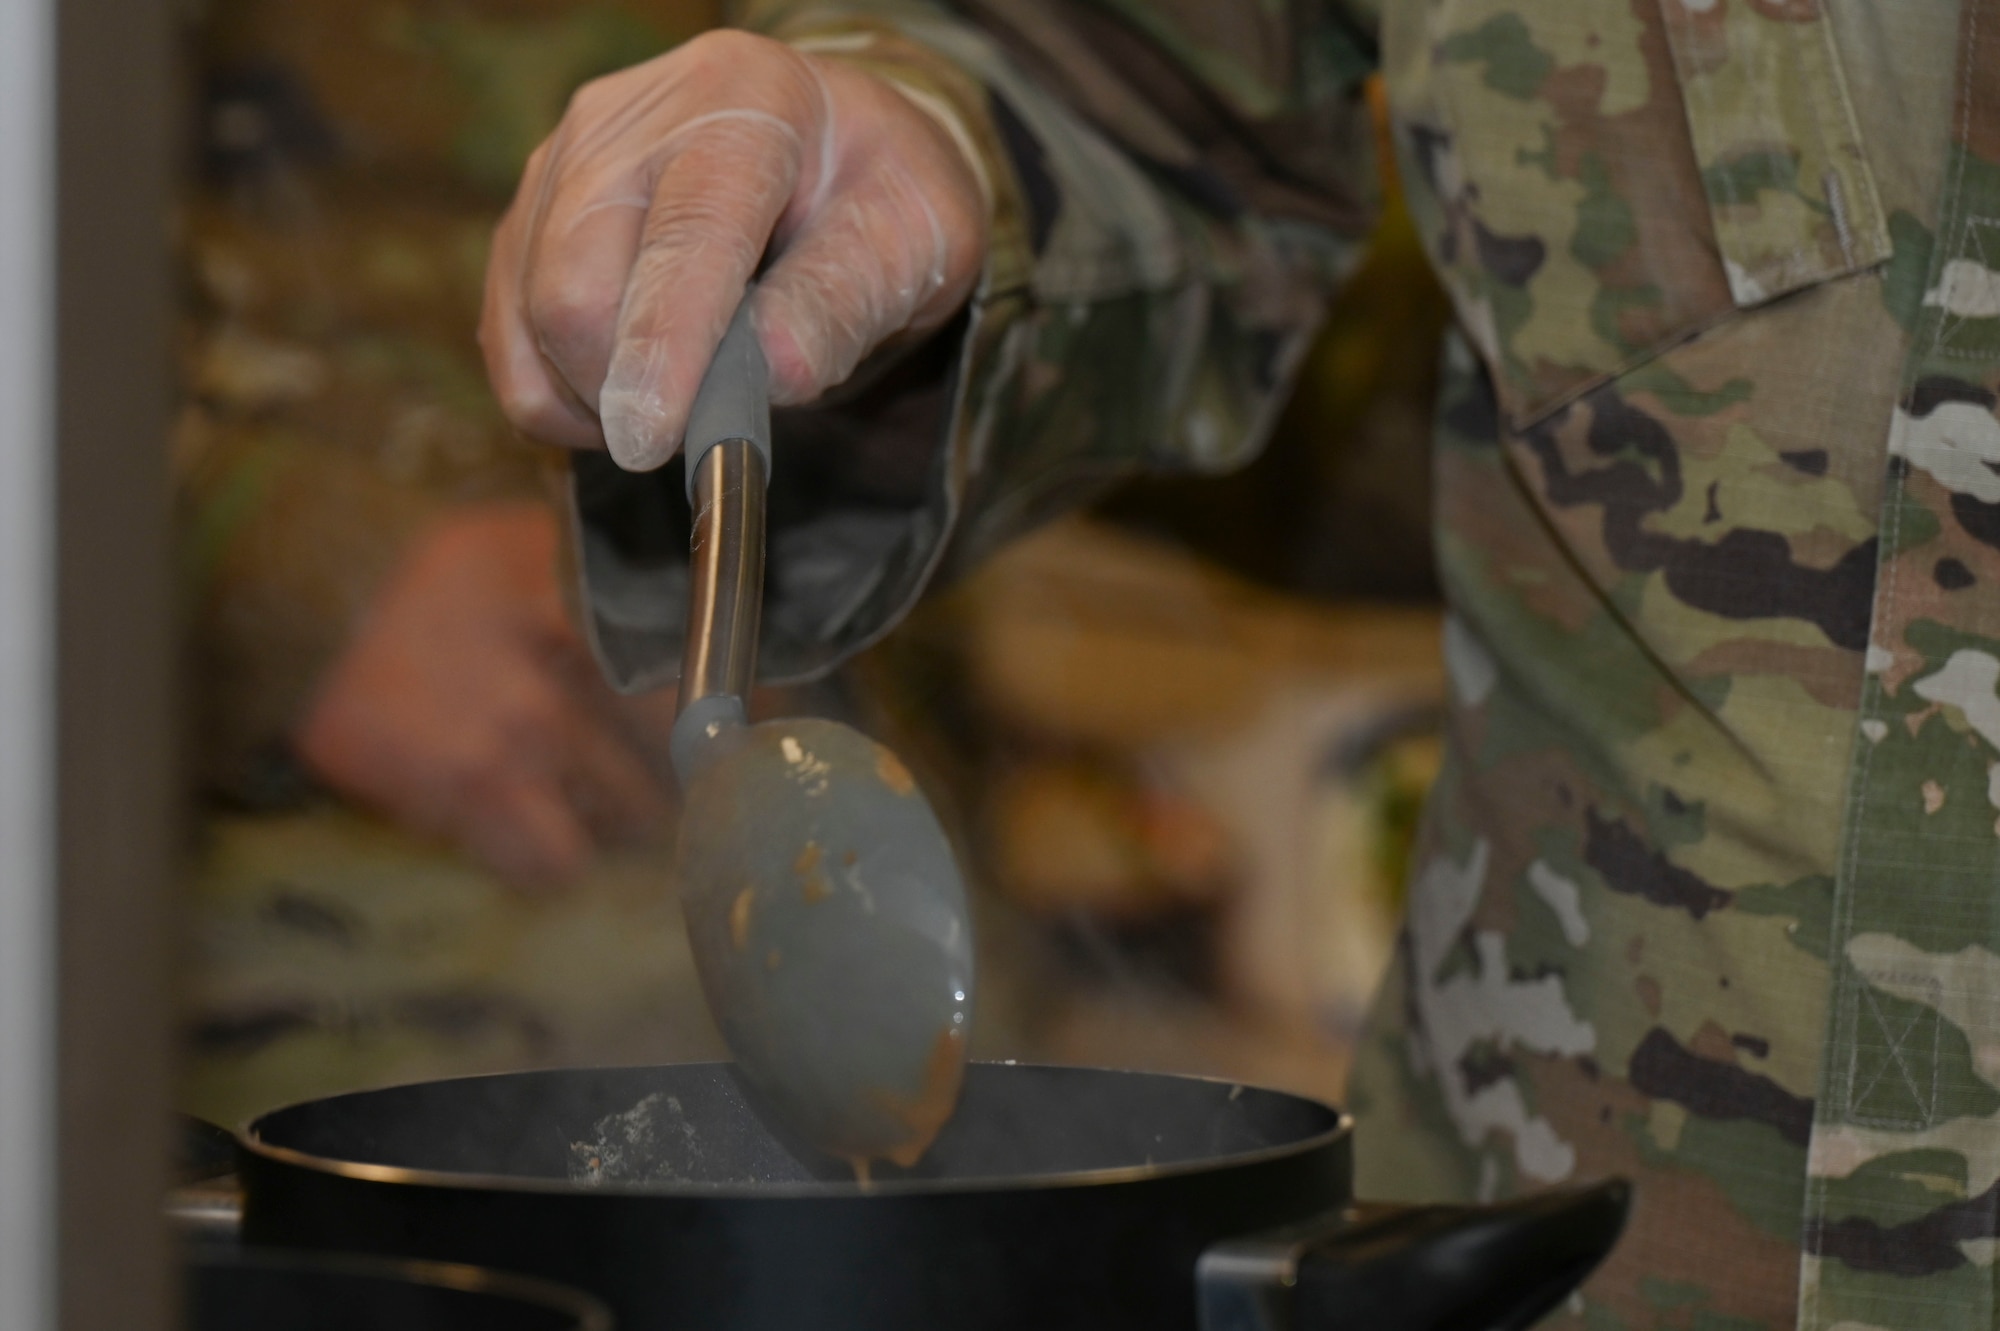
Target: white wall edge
27 667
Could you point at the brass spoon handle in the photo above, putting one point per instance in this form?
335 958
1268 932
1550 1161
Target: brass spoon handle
728 451
726 574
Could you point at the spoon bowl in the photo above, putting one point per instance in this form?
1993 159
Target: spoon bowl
827 919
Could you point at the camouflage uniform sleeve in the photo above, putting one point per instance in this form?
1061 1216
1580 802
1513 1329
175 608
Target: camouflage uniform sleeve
1176 190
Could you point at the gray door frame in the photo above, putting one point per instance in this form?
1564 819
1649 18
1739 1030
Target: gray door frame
88 815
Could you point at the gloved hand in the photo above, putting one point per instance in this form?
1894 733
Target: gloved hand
641 219
466 707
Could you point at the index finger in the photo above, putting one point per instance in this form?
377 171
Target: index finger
713 210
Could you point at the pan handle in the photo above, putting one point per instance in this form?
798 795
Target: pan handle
206 1204
1414 1268
209 1213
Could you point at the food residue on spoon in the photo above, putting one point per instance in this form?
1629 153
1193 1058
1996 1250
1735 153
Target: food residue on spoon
809 770
894 775
812 880
739 917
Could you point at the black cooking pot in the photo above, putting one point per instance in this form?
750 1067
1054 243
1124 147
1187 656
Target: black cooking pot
1056 1198
286 1292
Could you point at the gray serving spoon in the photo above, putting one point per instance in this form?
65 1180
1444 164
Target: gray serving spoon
824 907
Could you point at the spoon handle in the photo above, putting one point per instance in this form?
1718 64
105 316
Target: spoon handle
728 466
734 400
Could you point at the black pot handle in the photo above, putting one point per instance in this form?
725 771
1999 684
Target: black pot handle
1414 1268
206 1204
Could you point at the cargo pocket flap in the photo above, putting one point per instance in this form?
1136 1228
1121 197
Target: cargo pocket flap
1780 152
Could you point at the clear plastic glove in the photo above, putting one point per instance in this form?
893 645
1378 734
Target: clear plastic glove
465 707
639 222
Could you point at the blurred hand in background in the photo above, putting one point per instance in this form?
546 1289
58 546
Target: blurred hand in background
466 707
640 220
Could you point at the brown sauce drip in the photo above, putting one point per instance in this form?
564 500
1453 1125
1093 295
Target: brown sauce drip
926 1115
739 918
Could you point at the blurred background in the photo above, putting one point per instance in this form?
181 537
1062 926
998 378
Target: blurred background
1183 737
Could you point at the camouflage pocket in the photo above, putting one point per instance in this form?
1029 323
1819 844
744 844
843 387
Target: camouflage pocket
1603 179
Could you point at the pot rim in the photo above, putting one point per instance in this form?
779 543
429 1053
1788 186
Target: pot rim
248 1141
